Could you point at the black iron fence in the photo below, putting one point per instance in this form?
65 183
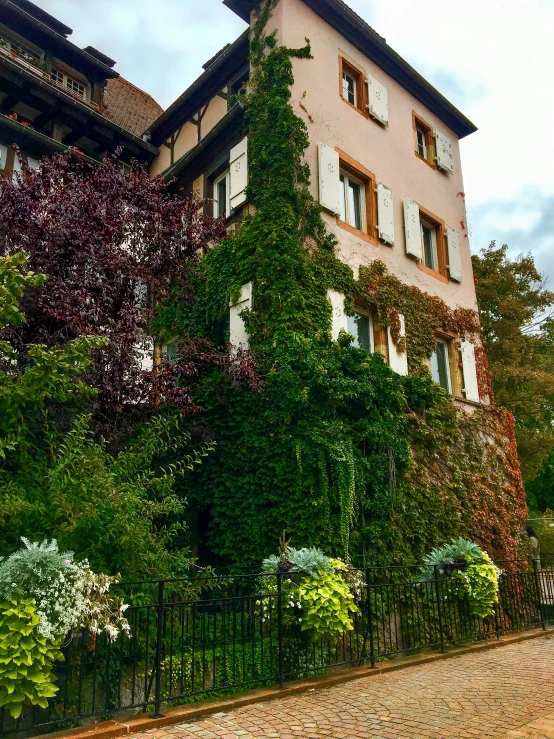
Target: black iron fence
238 634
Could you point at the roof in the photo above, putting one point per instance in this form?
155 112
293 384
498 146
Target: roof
129 107
339 16
223 66
44 17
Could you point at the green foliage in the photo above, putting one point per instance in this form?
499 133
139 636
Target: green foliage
49 375
515 309
307 561
477 581
26 658
120 512
327 605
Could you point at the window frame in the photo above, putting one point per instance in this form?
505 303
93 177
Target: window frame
448 363
350 68
356 172
66 76
420 125
225 175
369 314
424 224
347 180
432 221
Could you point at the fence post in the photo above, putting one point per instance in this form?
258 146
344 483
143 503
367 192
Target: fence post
280 629
159 638
370 620
497 624
439 608
539 593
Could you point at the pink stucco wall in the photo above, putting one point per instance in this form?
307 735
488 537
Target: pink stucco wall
387 152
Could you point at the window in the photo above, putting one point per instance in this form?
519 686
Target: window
222 205
429 245
68 83
423 140
170 353
349 88
352 209
360 325
19 50
352 85
440 365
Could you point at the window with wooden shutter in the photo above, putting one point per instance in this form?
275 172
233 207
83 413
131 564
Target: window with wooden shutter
339 319
238 174
329 179
358 205
444 152
377 100
412 229
469 368
398 361
424 142
454 254
352 85
385 214
360 325
238 336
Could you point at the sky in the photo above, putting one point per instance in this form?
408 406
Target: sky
493 59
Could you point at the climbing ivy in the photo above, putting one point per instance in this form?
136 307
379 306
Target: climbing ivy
332 446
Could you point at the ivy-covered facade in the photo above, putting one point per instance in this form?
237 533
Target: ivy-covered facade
372 430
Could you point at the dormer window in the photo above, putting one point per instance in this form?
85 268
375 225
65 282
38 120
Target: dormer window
68 83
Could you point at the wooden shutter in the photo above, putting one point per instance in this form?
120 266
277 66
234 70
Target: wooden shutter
378 104
385 214
329 178
454 255
443 146
339 317
238 173
238 337
412 227
471 387
398 361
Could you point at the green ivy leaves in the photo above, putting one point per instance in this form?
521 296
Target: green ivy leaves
26 658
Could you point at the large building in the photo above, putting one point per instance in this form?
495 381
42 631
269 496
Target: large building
384 157
54 95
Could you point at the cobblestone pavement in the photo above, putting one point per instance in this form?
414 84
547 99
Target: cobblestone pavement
505 693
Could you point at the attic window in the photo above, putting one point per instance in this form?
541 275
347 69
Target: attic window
68 83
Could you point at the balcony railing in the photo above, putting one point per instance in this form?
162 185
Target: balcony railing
43 71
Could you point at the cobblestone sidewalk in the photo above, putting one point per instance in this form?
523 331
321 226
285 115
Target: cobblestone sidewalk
505 693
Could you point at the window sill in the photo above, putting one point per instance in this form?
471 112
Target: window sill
465 401
433 273
427 162
356 232
354 107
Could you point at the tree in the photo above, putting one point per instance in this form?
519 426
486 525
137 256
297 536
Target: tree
519 332
114 245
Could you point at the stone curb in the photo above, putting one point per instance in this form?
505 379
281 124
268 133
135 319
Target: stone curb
182 714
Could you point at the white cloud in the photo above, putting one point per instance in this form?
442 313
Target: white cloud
492 58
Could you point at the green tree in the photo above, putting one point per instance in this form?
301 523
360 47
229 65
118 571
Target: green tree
514 306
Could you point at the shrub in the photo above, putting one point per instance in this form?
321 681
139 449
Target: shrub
326 605
306 561
26 658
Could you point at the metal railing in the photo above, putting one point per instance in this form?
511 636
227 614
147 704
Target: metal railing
238 633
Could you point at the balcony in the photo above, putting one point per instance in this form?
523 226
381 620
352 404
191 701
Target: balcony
42 70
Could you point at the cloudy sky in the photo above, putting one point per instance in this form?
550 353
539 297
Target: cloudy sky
494 59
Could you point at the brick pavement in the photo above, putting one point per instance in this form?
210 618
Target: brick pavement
505 693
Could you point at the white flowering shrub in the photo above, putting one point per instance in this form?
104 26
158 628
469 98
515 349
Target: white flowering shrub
66 593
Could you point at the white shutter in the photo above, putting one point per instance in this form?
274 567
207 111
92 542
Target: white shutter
398 361
454 256
444 152
378 104
471 387
3 155
412 227
238 173
238 337
329 178
385 214
339 317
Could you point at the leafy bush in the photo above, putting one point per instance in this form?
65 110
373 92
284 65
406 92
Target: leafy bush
26 658
327 605
472 573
